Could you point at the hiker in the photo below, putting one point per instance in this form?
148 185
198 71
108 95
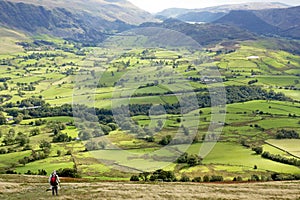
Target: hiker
54 181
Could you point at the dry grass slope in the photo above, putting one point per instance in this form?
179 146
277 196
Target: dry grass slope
21 187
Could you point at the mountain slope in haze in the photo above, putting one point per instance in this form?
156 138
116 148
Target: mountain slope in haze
282 22
247 20
110 10
178 12
204 34
77 20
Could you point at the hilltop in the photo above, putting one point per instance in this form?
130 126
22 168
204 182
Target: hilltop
77 20
283 22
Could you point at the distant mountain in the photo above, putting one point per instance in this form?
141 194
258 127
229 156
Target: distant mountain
179 12
204 16
174 12
204 34
84 20
282 22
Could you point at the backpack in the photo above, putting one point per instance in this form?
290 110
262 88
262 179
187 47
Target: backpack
53 181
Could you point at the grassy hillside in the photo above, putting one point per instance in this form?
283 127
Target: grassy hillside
8 39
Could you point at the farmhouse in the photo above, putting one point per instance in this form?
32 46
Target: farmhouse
252 57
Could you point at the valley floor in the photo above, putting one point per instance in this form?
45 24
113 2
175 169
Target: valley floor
21 187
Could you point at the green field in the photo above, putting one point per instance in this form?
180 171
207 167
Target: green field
290 146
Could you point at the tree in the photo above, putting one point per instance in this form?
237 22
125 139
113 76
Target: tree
258 150
22 139
85 135
39 122
3 151
165 140
183 158
68 172
160 174
206 178
276 177
12 132
69 152
18 119
2 119
238 179
106 129
46 151
42 172
215 178
113 126
9 139
134 178
27 147
185 178
197 179
55 131
91 146
144 176
160 123
194 160
102 144
45 144
35 131
62 137
287 134
254 177
150 139
23 161
186 131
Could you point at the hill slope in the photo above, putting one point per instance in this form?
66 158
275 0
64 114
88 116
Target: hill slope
288 20
110 10
283 22
204 34
247 20
88 21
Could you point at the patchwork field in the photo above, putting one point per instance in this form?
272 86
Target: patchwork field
168 94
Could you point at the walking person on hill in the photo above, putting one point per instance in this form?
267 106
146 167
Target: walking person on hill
54 182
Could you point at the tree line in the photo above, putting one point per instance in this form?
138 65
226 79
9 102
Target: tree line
169 176
281 159
234 94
